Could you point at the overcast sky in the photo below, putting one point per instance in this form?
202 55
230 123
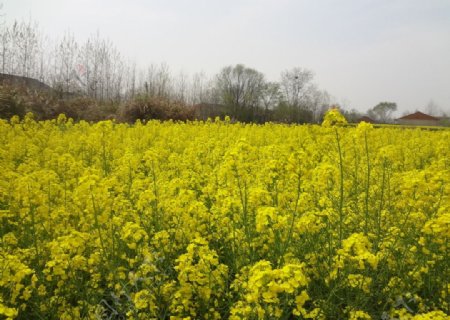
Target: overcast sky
361 51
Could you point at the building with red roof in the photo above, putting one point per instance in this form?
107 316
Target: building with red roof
418 119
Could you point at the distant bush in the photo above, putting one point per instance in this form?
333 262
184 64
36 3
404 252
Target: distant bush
9 105
85 108
18 100
146 108
292 114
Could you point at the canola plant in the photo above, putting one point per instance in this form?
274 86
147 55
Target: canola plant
214 220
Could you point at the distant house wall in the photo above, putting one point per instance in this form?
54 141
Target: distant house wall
418 119
444 121
418 122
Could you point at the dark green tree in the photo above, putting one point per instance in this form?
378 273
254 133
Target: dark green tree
382 112
240 89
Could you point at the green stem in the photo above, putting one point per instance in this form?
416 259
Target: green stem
380 208
341 189
294 215
97 225
366 204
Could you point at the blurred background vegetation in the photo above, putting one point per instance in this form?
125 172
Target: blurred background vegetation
93 81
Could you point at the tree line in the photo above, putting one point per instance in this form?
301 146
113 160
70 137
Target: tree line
95 69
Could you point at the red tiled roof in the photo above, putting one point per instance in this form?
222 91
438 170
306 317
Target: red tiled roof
418 116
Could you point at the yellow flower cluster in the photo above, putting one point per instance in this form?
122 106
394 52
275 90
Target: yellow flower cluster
333 118
201 282
264 291
214 220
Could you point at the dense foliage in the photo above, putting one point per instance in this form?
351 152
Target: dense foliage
148 108
212 220
45 105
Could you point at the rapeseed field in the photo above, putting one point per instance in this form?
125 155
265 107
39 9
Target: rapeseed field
215 220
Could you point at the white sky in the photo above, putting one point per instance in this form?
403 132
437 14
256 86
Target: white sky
361 51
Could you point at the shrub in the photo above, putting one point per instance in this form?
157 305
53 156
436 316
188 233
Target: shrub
8 104
85 108
146 108
18 100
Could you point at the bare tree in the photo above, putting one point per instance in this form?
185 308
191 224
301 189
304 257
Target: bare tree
297 91
158 81
117 67
43 62
295 86
130 83
180 89
5 42
240 88
319 103
27 43
433 109
163 80
66 59
270 98
197 89
20 48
